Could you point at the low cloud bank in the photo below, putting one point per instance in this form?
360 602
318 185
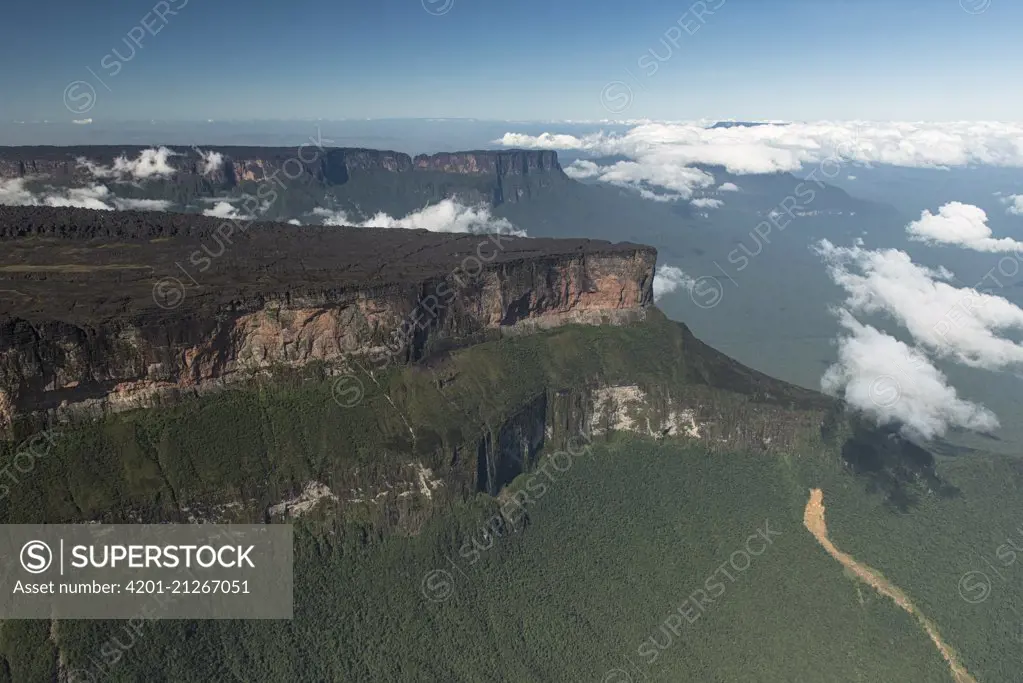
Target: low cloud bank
666 155
959 323
679 180
211 162
707 203
141 204
894 383
668 279
1015 204
224 209
14 192
774 148
151 163
962 225
448 215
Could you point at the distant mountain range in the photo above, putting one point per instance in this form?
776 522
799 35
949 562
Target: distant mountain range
312 185
746 124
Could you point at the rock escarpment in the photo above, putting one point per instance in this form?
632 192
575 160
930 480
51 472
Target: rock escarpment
132 309
488 175
380 372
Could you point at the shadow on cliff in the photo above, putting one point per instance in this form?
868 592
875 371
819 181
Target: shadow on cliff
894 467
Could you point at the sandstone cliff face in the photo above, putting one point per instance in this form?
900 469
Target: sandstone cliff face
489 162
97 340
83 333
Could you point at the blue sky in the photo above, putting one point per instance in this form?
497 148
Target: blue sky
524 60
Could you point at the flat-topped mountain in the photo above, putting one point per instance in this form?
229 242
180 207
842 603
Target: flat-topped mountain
132 303
276 183
371 387
508 175
109 262
75 160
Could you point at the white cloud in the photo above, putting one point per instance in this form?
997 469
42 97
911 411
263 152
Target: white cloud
655 197
224 209
211 161
775 148
962 225
332 217
707 203
151 163
728 187
95 196
1015 203
13 193
582 169
958 323
91 197
668 279
142 204
851 177
448 215
678 179
896 384
544 141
